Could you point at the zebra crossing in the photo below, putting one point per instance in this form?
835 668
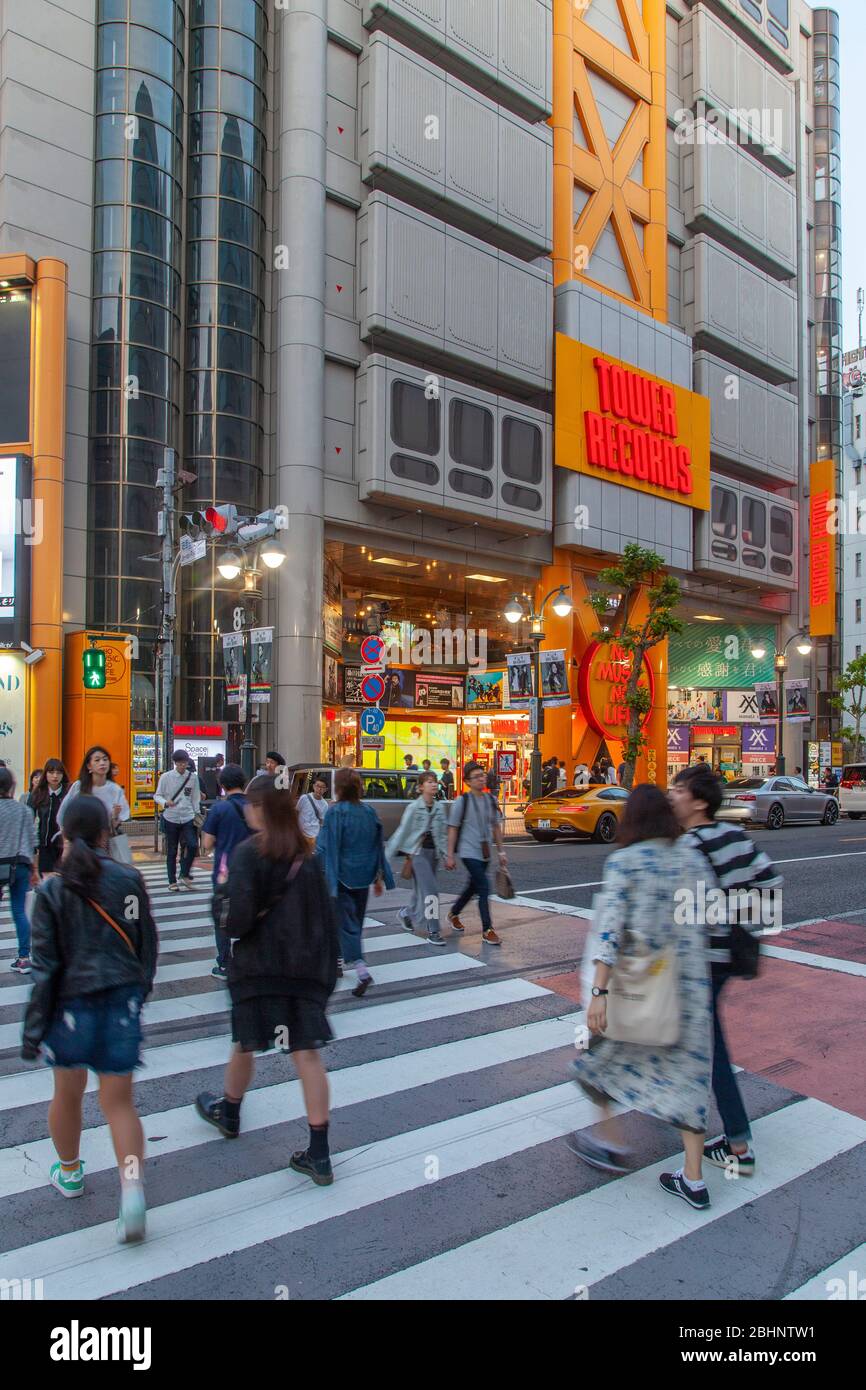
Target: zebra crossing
451 1110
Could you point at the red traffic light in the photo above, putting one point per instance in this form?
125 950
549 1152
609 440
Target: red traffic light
216 520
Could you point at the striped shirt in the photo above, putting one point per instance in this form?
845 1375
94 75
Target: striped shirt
750 881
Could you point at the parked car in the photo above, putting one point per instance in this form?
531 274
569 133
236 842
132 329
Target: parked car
852 790
774 801
387 789
591 811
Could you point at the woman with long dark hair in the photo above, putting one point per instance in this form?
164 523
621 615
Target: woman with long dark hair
647 917
35 778
17 863
94 961
45 802
282 969
95 779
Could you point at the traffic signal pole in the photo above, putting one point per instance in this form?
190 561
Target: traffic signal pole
169 603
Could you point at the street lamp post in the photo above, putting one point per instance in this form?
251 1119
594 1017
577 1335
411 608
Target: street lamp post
780 664
516 610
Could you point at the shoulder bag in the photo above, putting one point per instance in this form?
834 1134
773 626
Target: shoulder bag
643 1002
744 946
111 922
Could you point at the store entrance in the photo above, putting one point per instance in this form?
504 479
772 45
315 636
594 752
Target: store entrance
722 752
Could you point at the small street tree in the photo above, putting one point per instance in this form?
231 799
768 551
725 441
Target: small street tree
614 604
851 701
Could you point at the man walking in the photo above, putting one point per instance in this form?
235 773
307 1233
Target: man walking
738 866
473 824
225 827
446 781
179 796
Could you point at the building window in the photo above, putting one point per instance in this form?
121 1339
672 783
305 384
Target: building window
724 513
857 472
521 450
858 565
779 11
754 522
858 426
414 419
858 651
858 610
471 435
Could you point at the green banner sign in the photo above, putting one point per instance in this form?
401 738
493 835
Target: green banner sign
718 656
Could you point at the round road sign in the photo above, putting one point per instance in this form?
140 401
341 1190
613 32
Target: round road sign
371 650
372 688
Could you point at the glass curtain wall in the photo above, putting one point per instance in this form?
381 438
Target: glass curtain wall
135 395
223 393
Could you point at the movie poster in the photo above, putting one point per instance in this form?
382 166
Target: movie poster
797 701
521 686
554 679
768 700
233 665
261 665
485 690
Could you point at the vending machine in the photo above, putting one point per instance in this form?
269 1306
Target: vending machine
144 763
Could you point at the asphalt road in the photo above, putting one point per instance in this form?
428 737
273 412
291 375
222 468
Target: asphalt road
824 869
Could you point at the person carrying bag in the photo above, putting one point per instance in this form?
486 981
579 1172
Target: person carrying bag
649 1016
422 839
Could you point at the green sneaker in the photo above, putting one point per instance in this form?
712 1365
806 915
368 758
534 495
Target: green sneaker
68 1184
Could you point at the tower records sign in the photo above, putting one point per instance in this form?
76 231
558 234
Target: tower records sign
628 427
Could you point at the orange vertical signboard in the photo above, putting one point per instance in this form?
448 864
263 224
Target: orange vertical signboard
822 549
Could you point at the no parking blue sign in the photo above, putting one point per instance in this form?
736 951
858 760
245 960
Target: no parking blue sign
372 722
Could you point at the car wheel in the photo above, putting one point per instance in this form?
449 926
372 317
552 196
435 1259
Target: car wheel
605 829
854 815
544 837
831 813
775 816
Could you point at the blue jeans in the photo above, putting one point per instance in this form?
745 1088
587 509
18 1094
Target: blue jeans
185 836
18 886
735 1121
351 910
477 870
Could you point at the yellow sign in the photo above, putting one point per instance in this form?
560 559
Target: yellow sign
822 549
837 755
625 426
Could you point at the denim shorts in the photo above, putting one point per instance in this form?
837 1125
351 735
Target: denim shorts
100 1031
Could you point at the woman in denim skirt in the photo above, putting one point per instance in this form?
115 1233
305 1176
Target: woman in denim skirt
94 959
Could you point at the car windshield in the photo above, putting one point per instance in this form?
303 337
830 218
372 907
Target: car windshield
745 784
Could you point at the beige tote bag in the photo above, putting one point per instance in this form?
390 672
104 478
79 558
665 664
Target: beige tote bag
643 1003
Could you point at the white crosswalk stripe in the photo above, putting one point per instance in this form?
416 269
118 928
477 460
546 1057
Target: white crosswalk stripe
450 1075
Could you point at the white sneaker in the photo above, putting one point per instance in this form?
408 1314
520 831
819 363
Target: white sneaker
172 888
186 884
132 1219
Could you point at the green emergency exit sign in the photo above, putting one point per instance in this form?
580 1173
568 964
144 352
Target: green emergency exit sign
94 669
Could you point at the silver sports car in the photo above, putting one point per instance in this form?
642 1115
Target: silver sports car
773 801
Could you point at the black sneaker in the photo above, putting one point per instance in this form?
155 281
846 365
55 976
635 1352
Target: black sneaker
211 1109
599 1155
319 1169
675 1183
405 920
362 986
21 965
435 938
219 972
719 1152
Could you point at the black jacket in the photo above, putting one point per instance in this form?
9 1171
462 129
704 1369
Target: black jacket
76 952
48 834
285 936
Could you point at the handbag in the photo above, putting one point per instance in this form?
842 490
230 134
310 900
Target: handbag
504 884
120 848
643 1003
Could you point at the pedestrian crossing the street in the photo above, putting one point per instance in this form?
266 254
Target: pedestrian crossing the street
452 1107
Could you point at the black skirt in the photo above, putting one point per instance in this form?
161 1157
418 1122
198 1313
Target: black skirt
279 1021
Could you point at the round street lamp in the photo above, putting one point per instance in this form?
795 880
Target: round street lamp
515 611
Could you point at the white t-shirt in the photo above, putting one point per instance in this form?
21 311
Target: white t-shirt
311 813
110 795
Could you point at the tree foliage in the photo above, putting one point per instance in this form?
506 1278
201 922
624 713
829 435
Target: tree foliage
851 701
614 604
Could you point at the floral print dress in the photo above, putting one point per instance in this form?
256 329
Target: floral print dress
637 908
